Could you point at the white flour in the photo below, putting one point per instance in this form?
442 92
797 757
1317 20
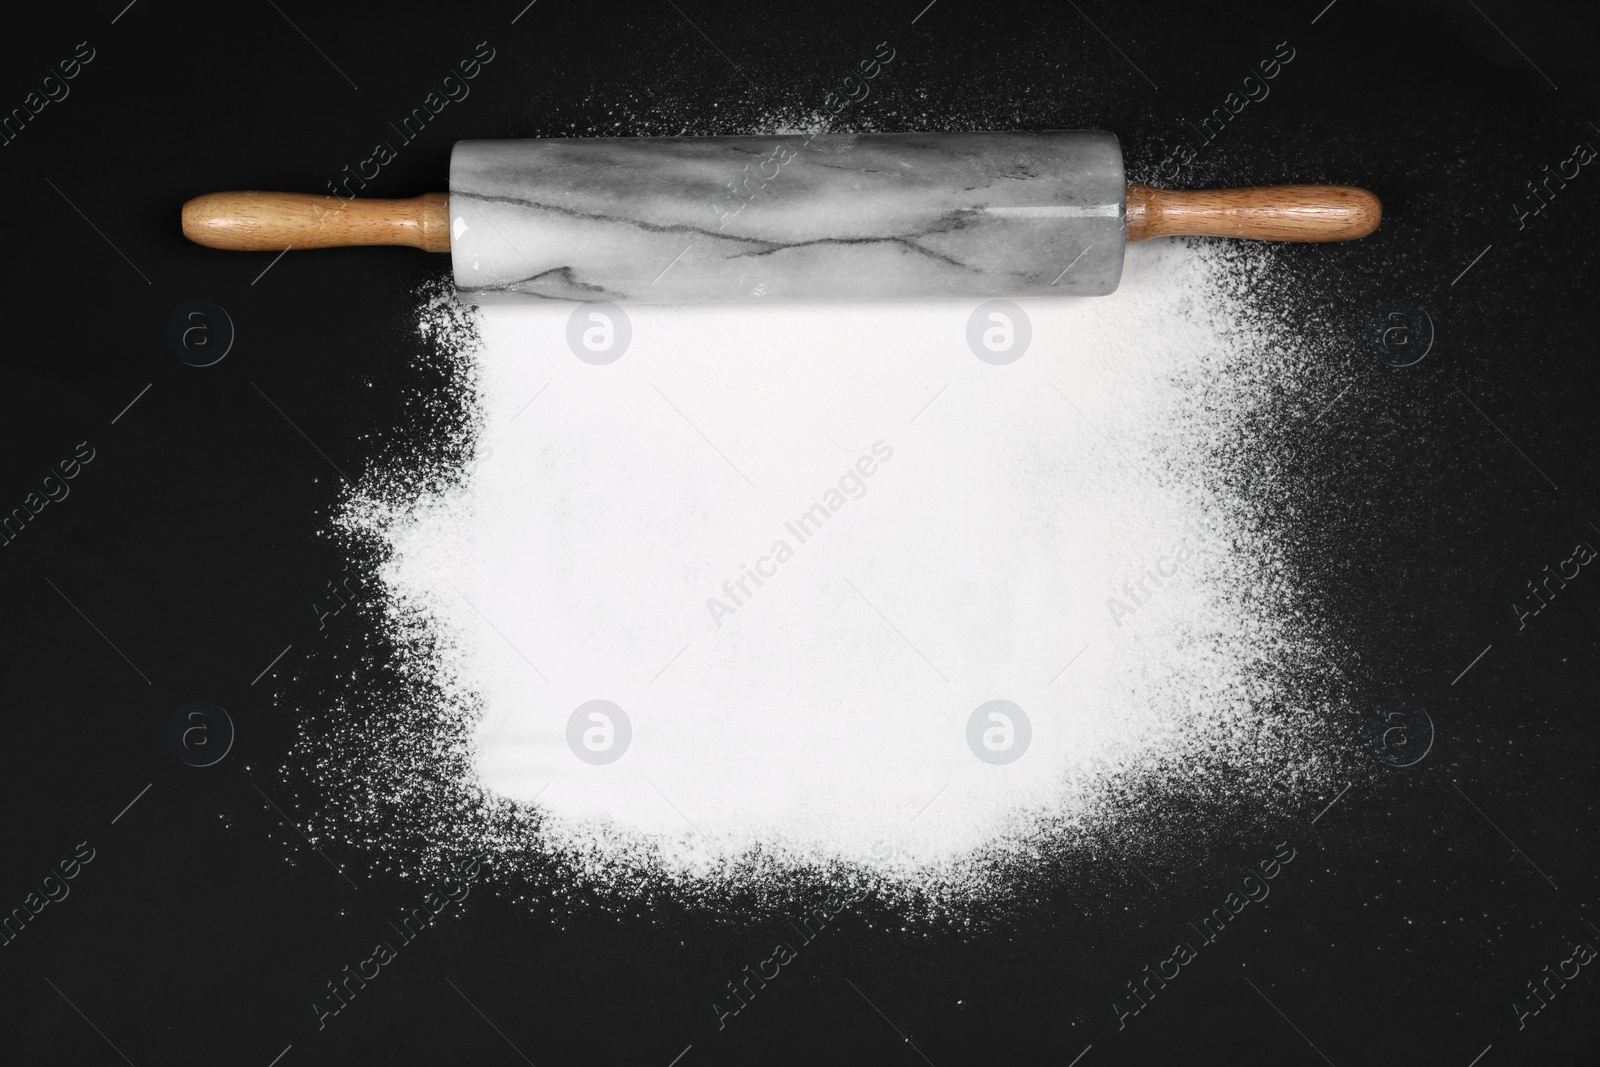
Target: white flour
1050 533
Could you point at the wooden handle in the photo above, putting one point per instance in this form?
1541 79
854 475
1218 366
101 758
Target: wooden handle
270 222
1263 213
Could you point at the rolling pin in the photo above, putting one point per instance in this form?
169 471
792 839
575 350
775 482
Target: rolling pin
834 216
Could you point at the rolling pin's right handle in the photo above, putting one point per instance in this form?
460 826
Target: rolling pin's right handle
1263 213
271 222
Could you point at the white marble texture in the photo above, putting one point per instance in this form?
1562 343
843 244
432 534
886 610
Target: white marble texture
834 216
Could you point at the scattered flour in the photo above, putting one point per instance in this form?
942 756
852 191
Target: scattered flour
1070 532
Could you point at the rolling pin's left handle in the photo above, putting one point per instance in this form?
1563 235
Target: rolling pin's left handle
271 222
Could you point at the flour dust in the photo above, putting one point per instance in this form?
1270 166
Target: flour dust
797 589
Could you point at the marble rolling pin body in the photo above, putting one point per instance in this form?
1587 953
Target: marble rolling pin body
833 216
737 218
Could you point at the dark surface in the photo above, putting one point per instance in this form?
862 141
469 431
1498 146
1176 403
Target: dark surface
203 928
